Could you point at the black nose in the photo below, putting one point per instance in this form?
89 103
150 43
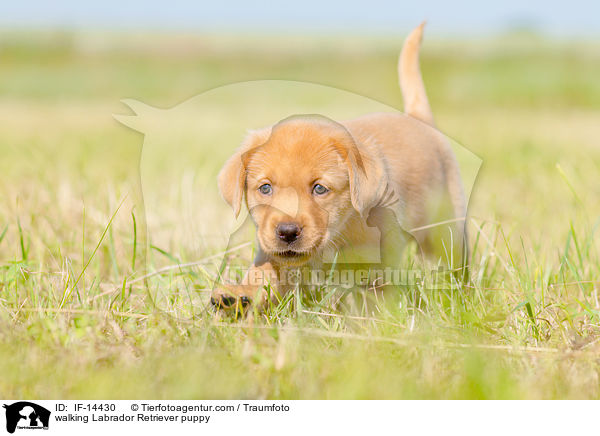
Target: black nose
288 232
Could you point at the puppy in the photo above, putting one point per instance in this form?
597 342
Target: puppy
313 185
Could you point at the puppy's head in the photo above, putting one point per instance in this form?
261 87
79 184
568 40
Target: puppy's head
302 180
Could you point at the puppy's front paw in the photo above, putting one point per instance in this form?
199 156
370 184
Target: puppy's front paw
236 297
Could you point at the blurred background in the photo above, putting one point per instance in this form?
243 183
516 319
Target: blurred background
514 82
463 17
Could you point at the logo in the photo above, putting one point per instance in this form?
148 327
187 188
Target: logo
26 415
209 127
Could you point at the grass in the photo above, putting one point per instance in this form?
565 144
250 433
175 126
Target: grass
92 307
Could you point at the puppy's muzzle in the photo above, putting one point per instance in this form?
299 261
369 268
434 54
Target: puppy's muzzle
288 232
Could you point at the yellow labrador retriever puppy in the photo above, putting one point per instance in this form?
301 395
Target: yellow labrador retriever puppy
313 184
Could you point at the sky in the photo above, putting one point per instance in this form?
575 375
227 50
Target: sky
573 18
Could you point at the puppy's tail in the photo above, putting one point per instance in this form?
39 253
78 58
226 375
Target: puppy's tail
411 82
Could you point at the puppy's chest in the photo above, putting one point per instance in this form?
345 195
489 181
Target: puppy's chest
357 243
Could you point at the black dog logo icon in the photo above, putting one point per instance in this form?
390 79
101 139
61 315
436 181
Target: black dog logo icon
26 415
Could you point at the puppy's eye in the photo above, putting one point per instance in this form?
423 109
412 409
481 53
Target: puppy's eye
319 189
265 189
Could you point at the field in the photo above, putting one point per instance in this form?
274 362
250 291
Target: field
92 304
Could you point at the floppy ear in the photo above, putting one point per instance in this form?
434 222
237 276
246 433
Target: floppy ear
367 178
232 177
367 184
